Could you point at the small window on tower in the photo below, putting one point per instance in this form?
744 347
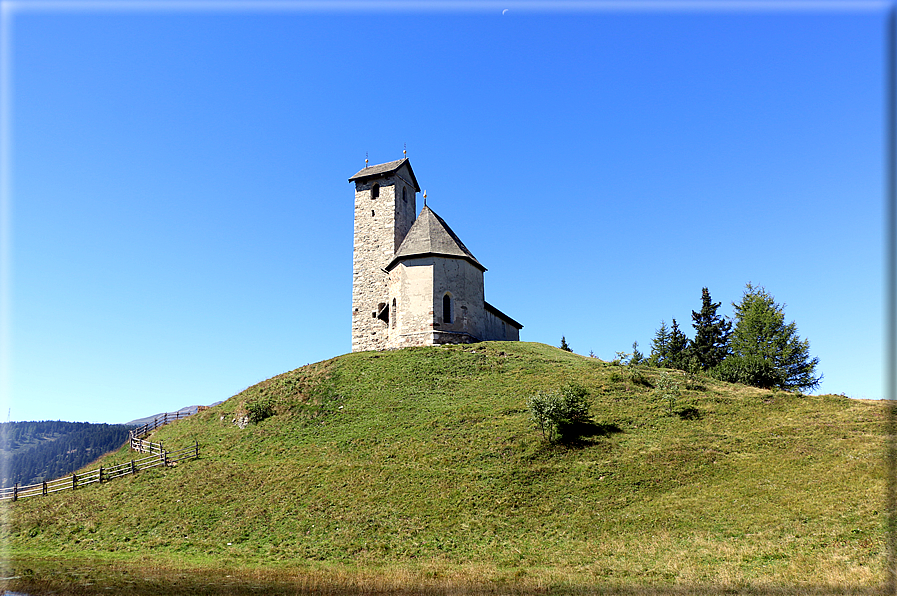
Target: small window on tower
375 191
404 195
394 313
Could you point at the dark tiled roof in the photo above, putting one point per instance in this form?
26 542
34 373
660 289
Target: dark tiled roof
383 169
430 235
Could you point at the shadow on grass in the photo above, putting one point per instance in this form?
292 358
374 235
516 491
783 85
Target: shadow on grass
577 434
689 413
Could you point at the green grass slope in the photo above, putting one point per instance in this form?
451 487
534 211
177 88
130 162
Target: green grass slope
424 462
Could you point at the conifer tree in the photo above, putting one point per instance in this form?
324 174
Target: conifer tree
711 343
637 357
660 346
564 345
761 332
678 347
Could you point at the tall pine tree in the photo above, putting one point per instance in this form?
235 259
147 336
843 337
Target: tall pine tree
761 332
678 348
660 346
711 343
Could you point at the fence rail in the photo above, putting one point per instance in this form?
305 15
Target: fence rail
157 456
159 421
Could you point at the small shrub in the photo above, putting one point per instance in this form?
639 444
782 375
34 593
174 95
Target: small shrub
620 358
667 389
259 409
638 378
692 367
558 413
541 406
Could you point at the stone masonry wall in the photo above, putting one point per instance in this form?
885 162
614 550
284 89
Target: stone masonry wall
498 329
411 284
418 285
381 224
464 283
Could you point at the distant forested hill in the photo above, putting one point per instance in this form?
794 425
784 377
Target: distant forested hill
32 452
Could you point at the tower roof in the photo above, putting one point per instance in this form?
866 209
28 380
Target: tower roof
431 236
384 169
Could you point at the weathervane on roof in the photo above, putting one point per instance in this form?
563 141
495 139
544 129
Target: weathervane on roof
405 150
425 198
365 159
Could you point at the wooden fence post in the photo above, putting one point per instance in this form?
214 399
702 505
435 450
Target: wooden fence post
132 467
195 448
101 474
15 492
45 488
74 481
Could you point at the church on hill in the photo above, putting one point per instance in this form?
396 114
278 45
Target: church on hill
414 282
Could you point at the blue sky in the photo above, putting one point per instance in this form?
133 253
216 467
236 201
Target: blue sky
178 221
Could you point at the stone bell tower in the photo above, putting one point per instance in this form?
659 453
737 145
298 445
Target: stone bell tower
385 208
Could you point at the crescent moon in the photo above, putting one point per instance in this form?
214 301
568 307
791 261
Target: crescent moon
504 11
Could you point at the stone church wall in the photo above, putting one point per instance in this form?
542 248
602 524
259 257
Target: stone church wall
497 329
464 283
411 284
421 283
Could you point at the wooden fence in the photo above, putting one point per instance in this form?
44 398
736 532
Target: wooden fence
160 420
158 456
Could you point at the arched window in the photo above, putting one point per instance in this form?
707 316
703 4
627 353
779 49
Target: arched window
375 191
404 195
394 313
447 309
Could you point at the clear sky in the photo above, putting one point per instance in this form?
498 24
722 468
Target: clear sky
178 220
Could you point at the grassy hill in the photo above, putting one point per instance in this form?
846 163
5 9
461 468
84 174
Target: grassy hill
421 466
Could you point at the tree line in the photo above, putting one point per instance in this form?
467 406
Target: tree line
33 452
756 347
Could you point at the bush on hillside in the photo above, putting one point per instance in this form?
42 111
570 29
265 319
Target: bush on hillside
559 413
639 378
259 409
667 389
747 370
